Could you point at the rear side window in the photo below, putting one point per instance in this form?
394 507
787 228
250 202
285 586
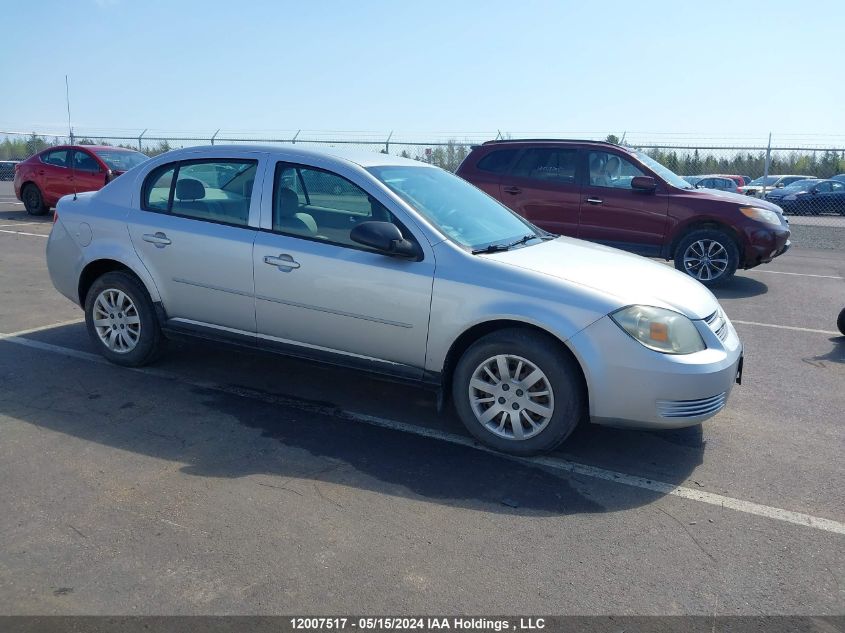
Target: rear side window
497 161
57 157
547 163
211 190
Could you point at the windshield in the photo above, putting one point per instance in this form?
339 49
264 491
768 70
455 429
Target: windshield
801 184
120 160
768 181
467 215
666 174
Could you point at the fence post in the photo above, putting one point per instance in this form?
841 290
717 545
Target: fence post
768 162
293 140
214 136
387 143
139 140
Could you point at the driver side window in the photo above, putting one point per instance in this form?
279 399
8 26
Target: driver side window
611 170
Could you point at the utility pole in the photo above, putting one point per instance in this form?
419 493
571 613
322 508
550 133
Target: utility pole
768 162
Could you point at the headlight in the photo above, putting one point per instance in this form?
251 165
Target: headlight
661 330
761 215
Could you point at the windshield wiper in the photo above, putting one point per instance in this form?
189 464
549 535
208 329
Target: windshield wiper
495 248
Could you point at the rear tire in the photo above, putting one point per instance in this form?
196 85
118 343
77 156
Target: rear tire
33 201
710 256
121 320
532 409
840 322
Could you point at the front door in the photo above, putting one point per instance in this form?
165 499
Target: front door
319 292
193 234
86 173
543 187
613 213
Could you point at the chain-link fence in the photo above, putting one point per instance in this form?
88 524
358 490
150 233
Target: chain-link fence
806 181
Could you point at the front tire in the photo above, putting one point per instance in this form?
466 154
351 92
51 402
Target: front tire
518 392
709 255
33 201
121 320
840 322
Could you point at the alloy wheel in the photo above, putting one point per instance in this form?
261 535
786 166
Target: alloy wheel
511 397
116 320
706 260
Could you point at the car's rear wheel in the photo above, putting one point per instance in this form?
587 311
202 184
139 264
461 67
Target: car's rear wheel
33 201
840 322
517 392
709 255
121 320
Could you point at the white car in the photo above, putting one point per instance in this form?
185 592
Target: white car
760 186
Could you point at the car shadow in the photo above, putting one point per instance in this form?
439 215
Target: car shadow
317 440
835 355
741 287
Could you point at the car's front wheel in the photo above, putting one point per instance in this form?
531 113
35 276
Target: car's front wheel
840 322
517 392
33 201
121 320
709 255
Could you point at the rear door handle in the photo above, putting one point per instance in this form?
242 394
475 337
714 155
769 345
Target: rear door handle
595 200
159 239
283 262
512 190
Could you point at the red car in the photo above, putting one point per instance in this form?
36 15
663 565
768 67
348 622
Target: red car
623 198
42 179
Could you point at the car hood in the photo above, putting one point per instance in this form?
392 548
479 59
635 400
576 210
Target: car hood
729 196
630 278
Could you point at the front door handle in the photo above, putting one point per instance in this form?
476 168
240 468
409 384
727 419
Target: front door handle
283 262
159 239
595 200
512 190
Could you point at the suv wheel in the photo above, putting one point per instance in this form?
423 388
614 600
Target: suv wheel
709 255
517 392
121 320
33 201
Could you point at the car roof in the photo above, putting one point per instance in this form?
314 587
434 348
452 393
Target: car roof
285 152
90 147
551 141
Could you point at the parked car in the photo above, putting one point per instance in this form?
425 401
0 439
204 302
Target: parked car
720 183
623 198
409 271
822 196
746 180
776 195
7 169
759 187
45 177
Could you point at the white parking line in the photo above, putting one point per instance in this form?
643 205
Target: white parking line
22 233
748 507
20 224
787 327
781 272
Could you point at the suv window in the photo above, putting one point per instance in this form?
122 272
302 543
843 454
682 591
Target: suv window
497 161
212 190
313 203
612 170
57 157
547 163
83 161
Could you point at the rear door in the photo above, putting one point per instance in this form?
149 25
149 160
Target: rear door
486 173
194 231
54 174
543 186
613 213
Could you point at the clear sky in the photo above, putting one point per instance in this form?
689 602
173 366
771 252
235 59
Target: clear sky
715 69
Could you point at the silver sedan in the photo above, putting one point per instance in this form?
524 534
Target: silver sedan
395 267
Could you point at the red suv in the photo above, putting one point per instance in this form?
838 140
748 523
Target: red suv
42 179
623 198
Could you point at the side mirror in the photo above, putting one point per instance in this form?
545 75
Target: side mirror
385 237
110 175
643 183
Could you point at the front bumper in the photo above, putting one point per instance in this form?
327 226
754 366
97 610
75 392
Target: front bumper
632 386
